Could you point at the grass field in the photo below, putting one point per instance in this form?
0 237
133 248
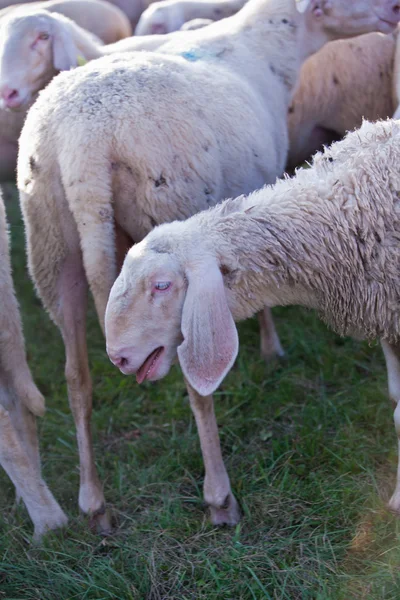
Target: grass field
309 445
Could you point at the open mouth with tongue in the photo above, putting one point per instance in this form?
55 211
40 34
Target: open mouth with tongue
150 365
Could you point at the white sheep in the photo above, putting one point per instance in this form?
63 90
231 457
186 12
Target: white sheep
328 239
105 20
20 401
166 16
36 44
141 140
346 81
33 67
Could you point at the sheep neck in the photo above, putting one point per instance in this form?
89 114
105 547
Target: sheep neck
315 241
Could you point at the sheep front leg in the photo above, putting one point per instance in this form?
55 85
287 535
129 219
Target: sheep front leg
73 299
217 488
270 344
392 356
24 473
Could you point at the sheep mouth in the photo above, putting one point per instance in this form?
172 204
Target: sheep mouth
149 366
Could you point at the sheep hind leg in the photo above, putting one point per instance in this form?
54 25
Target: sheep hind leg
270 345
72 291
218 495
42 507
392 356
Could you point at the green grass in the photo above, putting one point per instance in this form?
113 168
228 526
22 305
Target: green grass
309 445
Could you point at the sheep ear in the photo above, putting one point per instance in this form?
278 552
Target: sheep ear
210 343
65 52
302 5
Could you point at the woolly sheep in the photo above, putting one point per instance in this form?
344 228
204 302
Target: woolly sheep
328 239
35 45
142 140
21 63
100 17
346 81
169 15
20 401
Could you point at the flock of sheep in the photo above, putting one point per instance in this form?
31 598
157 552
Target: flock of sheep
141 145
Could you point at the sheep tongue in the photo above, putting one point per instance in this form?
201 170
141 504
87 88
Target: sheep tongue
143 371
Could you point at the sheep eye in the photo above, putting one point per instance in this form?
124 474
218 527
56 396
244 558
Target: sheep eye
162 285
43 36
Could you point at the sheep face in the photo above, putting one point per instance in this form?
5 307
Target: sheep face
344 18
166 303
33 48
143 317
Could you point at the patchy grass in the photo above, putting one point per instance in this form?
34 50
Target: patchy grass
309 445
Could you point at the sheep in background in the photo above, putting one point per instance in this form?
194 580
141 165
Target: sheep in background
20 401
346 81
102 18
328 239
19 63
125 143
166 16
36 45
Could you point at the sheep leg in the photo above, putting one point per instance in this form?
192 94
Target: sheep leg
270 344
24 423
217 488
392 356
73 300
42 507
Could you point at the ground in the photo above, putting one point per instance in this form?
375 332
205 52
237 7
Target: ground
309 444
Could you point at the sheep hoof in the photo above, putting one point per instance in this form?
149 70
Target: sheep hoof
55 521
276 354
101 522
228 515
394 504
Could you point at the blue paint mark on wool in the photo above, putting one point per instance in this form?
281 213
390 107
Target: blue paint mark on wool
191 55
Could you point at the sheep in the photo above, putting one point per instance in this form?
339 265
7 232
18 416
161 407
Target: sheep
327 239
35 45
20 401
106 21
344 82
166 16
24 60
125 143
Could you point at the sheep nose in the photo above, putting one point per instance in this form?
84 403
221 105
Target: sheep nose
118 360
9 95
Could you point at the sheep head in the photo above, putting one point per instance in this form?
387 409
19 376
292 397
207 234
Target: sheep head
33 48
165 304
333 19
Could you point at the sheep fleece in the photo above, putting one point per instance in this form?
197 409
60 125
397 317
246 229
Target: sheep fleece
329 238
